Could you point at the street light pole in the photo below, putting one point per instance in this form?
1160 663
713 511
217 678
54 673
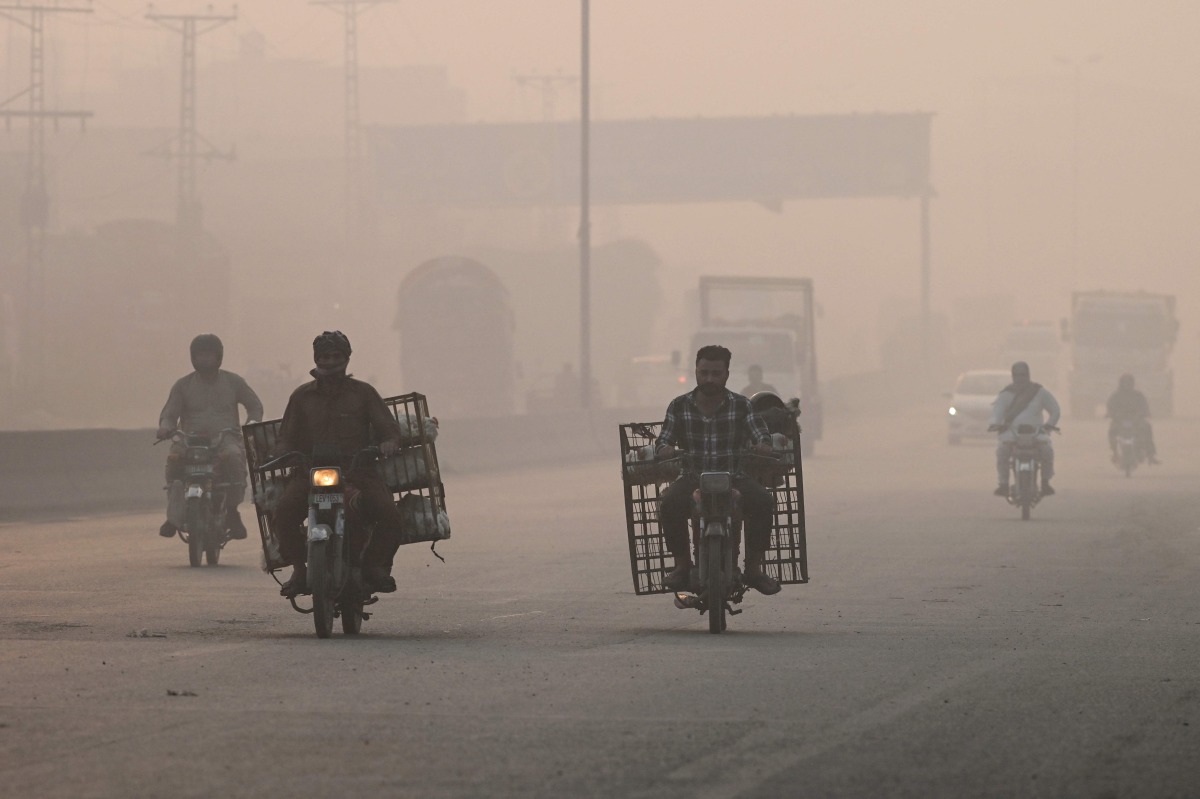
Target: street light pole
585 224
1077 68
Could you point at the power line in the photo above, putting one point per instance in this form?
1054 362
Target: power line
187 149
35 203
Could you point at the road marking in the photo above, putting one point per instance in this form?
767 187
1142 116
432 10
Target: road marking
756 757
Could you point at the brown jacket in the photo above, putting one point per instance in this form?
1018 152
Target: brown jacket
340 412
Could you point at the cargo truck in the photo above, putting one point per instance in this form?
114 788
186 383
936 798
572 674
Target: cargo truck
1113 333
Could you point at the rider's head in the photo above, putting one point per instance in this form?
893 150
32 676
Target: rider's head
1125 382
712 368
207 353
755 373
1020 373
331 351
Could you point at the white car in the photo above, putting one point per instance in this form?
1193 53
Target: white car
971 403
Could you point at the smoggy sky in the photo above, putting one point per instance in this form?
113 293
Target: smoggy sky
1045 111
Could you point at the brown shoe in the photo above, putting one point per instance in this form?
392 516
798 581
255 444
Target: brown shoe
762 582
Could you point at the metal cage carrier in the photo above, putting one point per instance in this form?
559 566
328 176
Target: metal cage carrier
412 474
645 479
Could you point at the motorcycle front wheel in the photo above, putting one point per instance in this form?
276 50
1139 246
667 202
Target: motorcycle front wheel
714 587
1025 493
321 584
196 524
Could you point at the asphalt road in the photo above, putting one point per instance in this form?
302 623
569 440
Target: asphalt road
943 647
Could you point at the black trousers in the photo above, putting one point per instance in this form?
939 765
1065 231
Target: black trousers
374 502
758 506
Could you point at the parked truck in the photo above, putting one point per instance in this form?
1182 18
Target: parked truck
768 322
1112 333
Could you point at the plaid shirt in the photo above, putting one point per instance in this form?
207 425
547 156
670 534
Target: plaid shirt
717 439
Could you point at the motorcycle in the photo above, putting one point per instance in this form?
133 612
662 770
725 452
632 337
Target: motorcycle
715 582
1130 452
202 525
1024 467
335 574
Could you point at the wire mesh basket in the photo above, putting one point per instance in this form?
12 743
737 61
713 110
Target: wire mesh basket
645 480
412 474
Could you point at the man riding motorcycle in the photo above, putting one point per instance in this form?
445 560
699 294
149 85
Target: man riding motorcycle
1129 404
713 424
335 412
206 402
1024 402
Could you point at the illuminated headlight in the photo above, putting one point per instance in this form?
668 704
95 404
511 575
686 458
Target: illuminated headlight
716 482
953 411
326 477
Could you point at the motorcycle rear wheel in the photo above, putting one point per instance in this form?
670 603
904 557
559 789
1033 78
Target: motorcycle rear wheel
212 553
321 584
352 618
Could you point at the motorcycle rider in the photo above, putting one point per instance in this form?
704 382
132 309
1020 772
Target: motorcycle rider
1024 402
206 402
756 384
714 423
1129 404
335 412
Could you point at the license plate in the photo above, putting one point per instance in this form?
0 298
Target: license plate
195 491
1025 467
327 499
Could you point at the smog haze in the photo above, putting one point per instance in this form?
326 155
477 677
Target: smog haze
1062 158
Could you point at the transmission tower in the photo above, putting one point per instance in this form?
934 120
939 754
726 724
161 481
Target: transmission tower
549 84
35 203
187 146
355 205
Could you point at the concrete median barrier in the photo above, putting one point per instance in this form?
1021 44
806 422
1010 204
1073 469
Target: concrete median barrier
59 473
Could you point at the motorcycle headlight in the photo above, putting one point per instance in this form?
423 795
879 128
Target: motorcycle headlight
325 478
953 411
716 482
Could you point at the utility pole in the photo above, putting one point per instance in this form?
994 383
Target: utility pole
35 204
354 222
189 219
585 219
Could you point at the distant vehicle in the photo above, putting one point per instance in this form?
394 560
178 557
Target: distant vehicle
1113 333
456 335
652 381
971 403
1038 344
769 322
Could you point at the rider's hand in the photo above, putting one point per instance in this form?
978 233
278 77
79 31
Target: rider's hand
764 448
164 433
389 447
667 451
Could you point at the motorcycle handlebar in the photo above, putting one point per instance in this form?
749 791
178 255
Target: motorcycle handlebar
287 457
1001 428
